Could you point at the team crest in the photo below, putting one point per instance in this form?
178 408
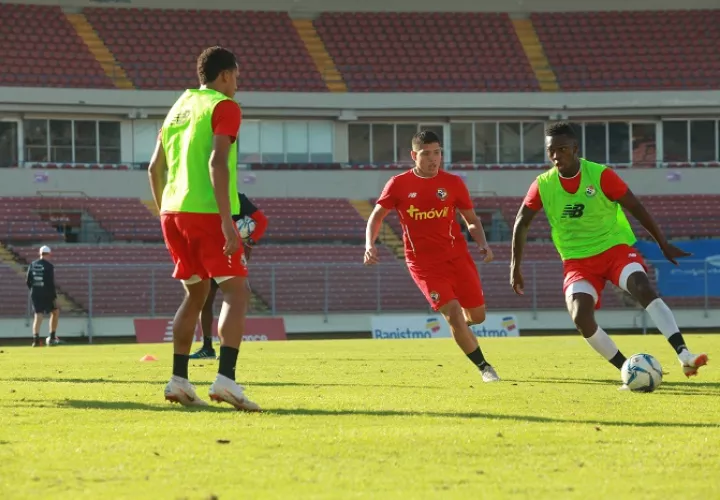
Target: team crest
442 194
434 296
590 191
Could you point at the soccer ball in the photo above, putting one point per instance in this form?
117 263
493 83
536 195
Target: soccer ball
642 373
245 226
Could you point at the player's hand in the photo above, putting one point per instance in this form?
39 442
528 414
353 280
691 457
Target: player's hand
371 256
232 238
517 282
487 252
671 253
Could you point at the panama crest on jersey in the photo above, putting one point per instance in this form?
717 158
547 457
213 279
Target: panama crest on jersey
590 191
434 296
442 194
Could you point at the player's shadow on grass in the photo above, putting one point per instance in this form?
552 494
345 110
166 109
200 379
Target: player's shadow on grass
689 388
135 406
57 380
482 416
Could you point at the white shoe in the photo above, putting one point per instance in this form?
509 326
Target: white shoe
228 391
691 362
623 387
489 374
180 390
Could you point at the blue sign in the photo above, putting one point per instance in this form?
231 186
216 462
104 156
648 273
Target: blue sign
694 276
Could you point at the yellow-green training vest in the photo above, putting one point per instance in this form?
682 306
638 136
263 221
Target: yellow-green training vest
187 139
586 223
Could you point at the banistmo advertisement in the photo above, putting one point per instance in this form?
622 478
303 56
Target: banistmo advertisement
435 327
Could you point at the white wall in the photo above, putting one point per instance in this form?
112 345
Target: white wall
333 184
545 320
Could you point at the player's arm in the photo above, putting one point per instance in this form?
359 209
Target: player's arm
50 280
29 277
528 210
630 203
220 174
157 173
261 224
248 208
477 232
386 202
466 208
374 223
225 124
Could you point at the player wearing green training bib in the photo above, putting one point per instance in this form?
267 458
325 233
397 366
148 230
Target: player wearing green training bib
584 204
193 178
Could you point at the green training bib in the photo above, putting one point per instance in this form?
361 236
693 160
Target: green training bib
586 223
187 139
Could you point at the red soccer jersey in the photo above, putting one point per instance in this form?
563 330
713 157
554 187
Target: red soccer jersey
426 207
611 184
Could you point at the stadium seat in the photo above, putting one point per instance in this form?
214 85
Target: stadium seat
632 50
40 48
158 47
451 52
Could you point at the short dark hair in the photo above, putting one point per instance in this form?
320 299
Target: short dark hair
560 128
424 137
212 62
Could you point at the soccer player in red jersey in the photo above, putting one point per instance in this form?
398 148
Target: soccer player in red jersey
193 177
583 202
426 199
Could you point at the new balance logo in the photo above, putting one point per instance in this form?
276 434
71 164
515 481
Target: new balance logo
412 195
573 211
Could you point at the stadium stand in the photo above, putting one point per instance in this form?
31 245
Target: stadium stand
374 52
158 47
135 279
13 293
40 48
386 52
307 256
632 50
326 220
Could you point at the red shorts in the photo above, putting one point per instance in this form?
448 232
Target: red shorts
195 242
452 279
606 266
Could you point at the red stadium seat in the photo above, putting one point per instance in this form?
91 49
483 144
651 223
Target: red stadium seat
632 50
158 47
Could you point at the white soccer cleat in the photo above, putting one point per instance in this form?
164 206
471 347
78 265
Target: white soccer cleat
228 391
691 363
489 374
180 390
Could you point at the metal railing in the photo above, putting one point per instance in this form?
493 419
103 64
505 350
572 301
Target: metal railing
99 290
457 165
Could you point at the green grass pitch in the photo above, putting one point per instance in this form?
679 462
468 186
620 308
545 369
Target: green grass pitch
406 419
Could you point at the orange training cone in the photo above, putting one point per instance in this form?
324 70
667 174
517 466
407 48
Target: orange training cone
148 357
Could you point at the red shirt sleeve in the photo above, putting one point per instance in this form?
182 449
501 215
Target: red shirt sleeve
388 198
532 198
463 202
612 185
261 224
226 119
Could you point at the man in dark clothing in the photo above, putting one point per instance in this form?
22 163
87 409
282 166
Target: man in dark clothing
247 210
41 282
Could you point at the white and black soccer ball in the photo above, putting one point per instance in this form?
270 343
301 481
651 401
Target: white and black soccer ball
642 373
245 226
